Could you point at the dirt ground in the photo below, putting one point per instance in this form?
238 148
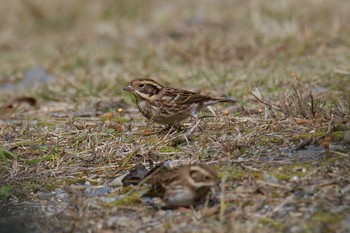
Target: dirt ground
282 152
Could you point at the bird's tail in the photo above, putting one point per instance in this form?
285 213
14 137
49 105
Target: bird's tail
227 100
222 100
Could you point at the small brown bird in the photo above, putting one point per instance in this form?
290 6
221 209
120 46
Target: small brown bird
182 186
166 105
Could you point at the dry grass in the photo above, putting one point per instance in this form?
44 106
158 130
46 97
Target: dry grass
283 151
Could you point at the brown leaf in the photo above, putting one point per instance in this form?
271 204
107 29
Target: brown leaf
13 105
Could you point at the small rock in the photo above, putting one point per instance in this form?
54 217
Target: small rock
108 199
296 228
51 210
62 195
96 191
346 189
299 169
136 174
339 148
80 186
46 196
118 221
295 179
270 179
34 78
117 181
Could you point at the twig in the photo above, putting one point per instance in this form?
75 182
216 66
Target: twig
272 184
222 199
257 95
277 208
339 153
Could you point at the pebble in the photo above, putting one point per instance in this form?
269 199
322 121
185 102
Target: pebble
61 195
270 179
118 221
295 179
117 182
96 191
33 79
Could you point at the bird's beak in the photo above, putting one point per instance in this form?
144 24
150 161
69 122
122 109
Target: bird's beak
128 88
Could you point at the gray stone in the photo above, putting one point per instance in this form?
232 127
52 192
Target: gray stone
96 191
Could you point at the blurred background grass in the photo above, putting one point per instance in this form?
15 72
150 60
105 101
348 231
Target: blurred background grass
94 47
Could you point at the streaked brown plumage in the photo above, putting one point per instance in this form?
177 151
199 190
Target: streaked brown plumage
185 185
166 105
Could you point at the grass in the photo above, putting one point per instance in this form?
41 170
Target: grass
86 130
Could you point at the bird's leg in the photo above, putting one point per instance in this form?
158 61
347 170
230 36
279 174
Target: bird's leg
170 128
146 132
166 130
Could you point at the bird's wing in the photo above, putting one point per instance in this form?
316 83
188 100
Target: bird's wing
185 97
159 177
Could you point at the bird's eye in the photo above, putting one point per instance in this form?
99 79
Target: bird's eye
207 178
141 85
